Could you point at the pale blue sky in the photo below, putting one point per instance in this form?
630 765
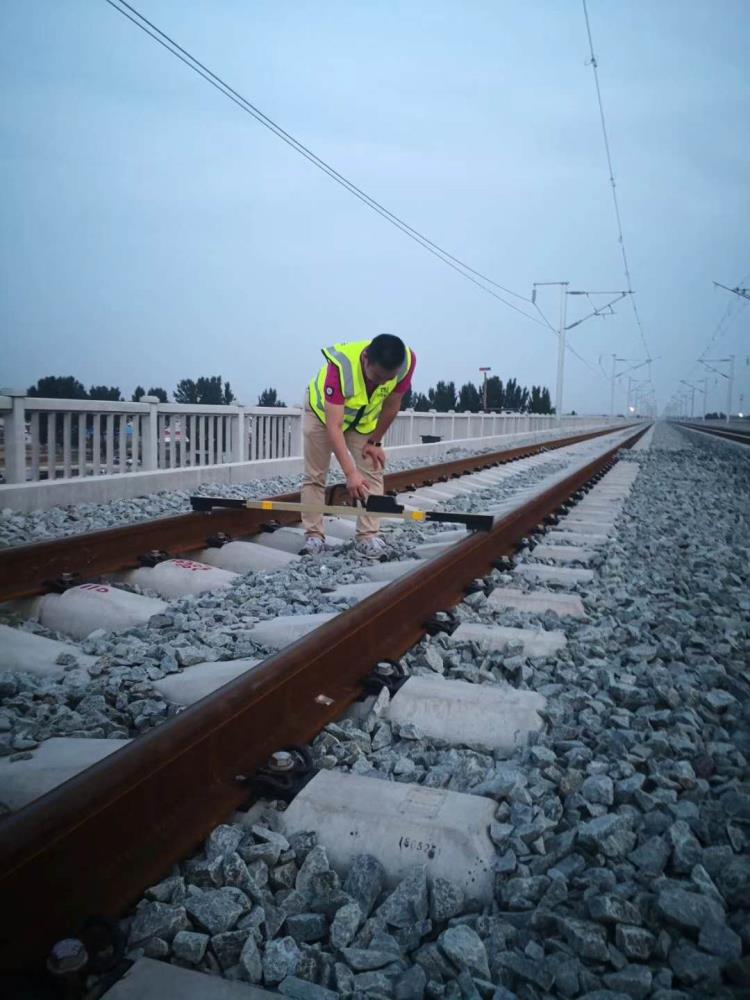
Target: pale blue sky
152 231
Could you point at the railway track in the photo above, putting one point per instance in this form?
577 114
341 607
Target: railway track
726 434
90 846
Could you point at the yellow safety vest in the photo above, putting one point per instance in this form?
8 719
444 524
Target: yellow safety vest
360 411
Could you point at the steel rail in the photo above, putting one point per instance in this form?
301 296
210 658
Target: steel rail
92 845
740 437
33 568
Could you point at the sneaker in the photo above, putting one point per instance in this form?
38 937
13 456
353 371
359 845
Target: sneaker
313 546
373 548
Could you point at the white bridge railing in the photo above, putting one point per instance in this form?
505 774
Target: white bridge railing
43 439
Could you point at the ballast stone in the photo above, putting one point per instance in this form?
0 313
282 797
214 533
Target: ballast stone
180 578
35 654
538 602
535 643
459 712
198 681
148 979
401 825
82 610
53 762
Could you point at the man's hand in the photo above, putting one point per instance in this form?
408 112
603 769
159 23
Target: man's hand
376 455
357 485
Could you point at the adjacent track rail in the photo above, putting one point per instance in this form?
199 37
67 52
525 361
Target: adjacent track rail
740 437
91 846
28 570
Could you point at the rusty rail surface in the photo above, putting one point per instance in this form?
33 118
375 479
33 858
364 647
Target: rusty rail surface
92 845
27 570
741 437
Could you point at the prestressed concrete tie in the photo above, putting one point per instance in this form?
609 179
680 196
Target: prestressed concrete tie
560 576
559 537
279 632
535 643
391 570
290 540
179 578
53 762
148 979
244 557
538 602
584 525
35 654
562 553
400 824
194 683
82 610
458 712
359 591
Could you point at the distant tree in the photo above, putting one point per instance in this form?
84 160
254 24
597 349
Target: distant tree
108 392
469 398
407 400
539 401
206 391
443 397
513 395
58 387
495 393
421 403
161 394
269 397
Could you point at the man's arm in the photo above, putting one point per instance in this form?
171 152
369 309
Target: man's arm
387 415
355 481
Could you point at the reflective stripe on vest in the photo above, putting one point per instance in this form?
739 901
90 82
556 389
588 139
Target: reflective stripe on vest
347 357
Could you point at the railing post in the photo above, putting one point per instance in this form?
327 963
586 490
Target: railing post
239 435
12 401
297 445
150 443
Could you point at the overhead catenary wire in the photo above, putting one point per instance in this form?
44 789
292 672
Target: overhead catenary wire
733 308
615 202
173 47
568 346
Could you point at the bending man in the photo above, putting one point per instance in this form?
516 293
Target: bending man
350 404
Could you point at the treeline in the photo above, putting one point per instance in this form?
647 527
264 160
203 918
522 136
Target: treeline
208 390
212 390
509 396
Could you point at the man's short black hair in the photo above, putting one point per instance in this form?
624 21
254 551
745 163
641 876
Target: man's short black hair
387 351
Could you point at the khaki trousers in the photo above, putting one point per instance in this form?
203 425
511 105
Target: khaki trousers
317 454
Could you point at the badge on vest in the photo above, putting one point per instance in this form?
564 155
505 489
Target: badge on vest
329 390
